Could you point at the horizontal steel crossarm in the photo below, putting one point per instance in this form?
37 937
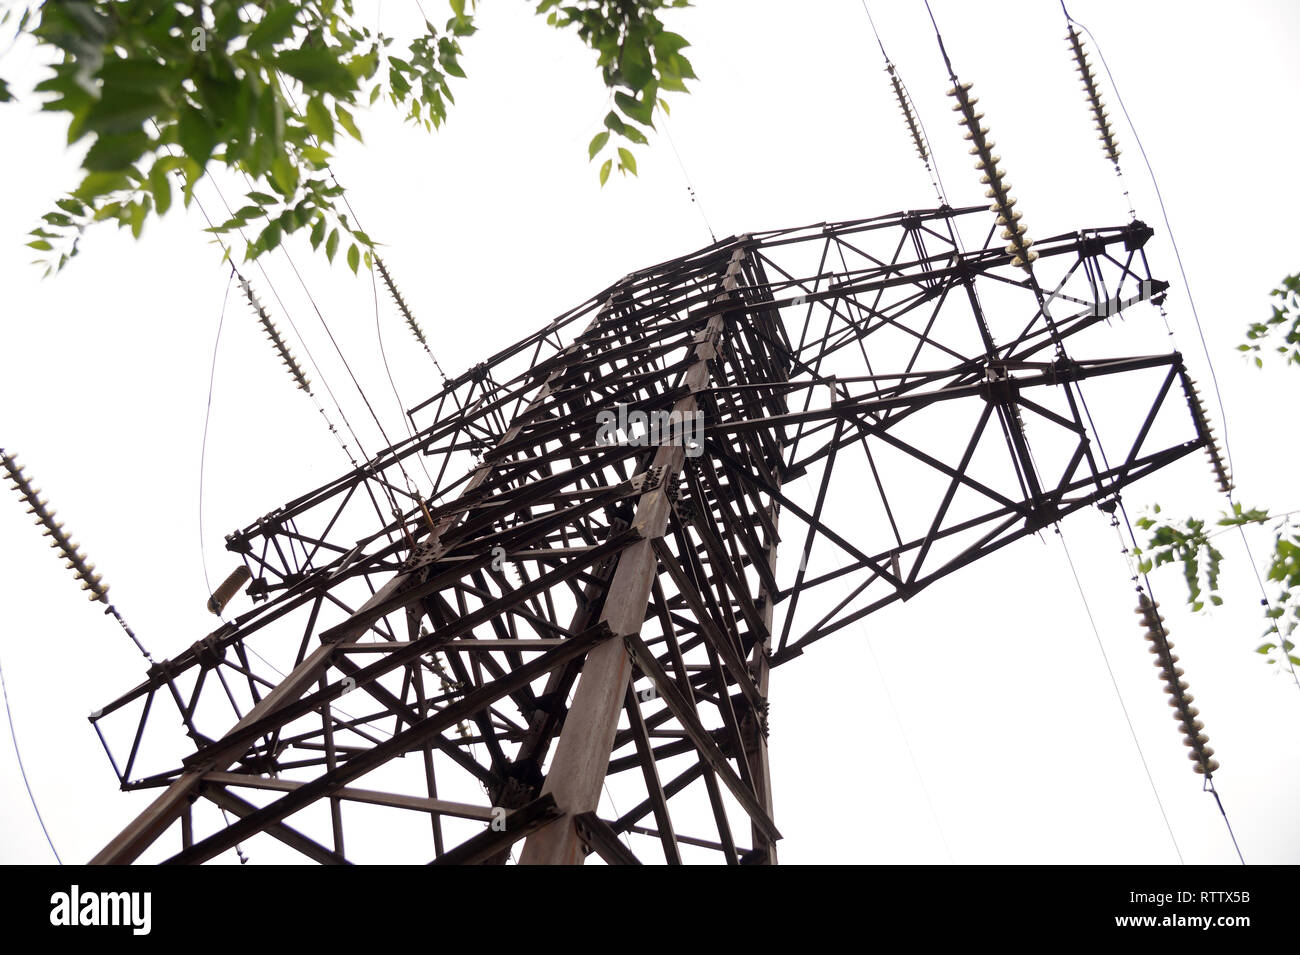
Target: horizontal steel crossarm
408 739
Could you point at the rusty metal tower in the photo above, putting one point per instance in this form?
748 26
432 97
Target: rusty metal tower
630 517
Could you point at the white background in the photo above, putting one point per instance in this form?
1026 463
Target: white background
1004 741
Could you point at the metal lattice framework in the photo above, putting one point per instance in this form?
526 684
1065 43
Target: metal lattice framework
588 596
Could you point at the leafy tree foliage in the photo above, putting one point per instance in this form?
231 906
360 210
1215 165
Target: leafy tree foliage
165 90
1190 542
1285 319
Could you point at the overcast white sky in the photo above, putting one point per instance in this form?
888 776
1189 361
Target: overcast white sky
1004 741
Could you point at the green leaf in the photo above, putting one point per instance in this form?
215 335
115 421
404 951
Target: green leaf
318 232
332 244
666 44
317 68
634 60
318 157
40 245
100 184
284 175
597 144
363 67
447 53
195 136
116 152
161 187
270 236
276 26
118 111
138 211
642 112
345 118
604 170
319 120
627 160
354 257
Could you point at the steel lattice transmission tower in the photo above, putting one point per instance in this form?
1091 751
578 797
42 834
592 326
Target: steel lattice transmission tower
569 607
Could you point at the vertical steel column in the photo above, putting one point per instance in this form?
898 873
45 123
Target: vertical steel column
582 753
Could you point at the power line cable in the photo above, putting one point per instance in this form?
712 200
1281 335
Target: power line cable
1164 214
269 326
690 189
1155 621
13 734
911 114
1137 745
207 415
388 281
1214 378
893 709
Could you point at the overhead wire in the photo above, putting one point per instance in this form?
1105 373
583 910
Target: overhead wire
1228 489
273 333
893 709
400 302
1191 299
207 416
911 115
68 549
1119 697
690 189
398 299
22 770
1022 256
379 334
1155 626
255 305
1019 245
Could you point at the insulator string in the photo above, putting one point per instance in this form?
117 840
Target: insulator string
1221 463
1164 214
307 350
392 288
1205 431
1101 647
1176 687
410 319
1013 231
401 406
273 333
1101 118
1018 242
60 540
915 127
